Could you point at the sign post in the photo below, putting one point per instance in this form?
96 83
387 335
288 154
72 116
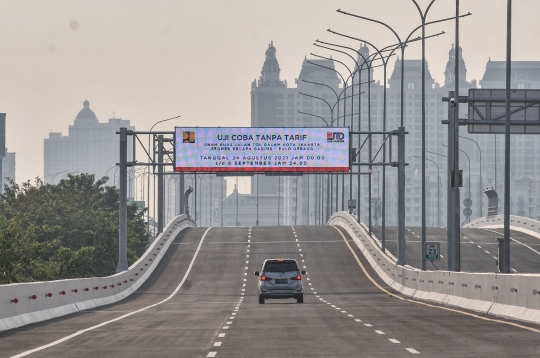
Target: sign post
433 251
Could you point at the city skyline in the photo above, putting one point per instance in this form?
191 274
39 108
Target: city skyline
147 62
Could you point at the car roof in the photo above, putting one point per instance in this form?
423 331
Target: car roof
280 260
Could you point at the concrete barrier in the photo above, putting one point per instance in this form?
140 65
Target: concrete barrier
513 296
518 223
25 303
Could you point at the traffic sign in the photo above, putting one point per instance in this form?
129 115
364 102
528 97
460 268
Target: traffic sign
433 251
488 106
467 212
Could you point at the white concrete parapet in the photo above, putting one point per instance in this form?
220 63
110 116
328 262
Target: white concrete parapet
25 303
518 223
514 296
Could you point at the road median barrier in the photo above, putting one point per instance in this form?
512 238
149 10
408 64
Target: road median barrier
26 303
512 296
517 223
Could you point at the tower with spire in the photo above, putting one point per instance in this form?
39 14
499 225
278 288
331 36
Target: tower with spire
270 70
365 62
450 66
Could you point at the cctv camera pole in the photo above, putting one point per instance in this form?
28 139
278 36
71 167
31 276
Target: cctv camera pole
506 242
453 234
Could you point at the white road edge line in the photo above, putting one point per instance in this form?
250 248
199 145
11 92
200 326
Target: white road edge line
61 340
519 242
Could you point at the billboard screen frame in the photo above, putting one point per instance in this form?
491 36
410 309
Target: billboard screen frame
346 138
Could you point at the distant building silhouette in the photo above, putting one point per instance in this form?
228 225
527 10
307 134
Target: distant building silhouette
90 147
7 159
8 168
274 104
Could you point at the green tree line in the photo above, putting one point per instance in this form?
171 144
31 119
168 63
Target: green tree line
68 230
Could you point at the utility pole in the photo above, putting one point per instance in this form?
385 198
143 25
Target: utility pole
122 247
161 179
506 242
401 196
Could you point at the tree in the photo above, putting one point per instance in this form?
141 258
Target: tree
66 230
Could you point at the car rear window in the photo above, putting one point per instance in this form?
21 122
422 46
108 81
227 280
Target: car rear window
281 266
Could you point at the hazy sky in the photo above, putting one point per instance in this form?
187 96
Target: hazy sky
150 60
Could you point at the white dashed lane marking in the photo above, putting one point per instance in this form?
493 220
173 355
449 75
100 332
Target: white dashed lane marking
217 344
412 350
211 354
221 335
379 332
394 340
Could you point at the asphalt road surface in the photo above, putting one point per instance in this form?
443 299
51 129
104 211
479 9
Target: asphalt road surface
202 302
479 250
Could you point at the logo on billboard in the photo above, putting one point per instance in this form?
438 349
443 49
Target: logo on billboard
189 137
335 137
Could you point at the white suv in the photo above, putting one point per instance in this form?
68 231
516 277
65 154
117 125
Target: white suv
280 278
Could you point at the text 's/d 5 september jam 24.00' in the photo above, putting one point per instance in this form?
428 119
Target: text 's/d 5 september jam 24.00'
248 149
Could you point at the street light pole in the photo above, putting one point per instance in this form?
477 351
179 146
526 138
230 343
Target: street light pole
462 151
337 101
438 191
148 183
360 68
401 183
481 182
55 174
423 17
506 242
296 201
469 159
257 222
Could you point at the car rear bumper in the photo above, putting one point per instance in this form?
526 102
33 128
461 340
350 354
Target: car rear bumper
290 294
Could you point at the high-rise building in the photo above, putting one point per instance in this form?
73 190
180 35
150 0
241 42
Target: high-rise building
524 149
90 147
3 149
273 104
8 168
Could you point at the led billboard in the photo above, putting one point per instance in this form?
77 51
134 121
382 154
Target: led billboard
248 149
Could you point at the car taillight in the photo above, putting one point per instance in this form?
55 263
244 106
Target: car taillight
297 277
264 277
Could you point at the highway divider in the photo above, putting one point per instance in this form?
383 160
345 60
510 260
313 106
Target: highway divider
518 223
512 296
26 303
